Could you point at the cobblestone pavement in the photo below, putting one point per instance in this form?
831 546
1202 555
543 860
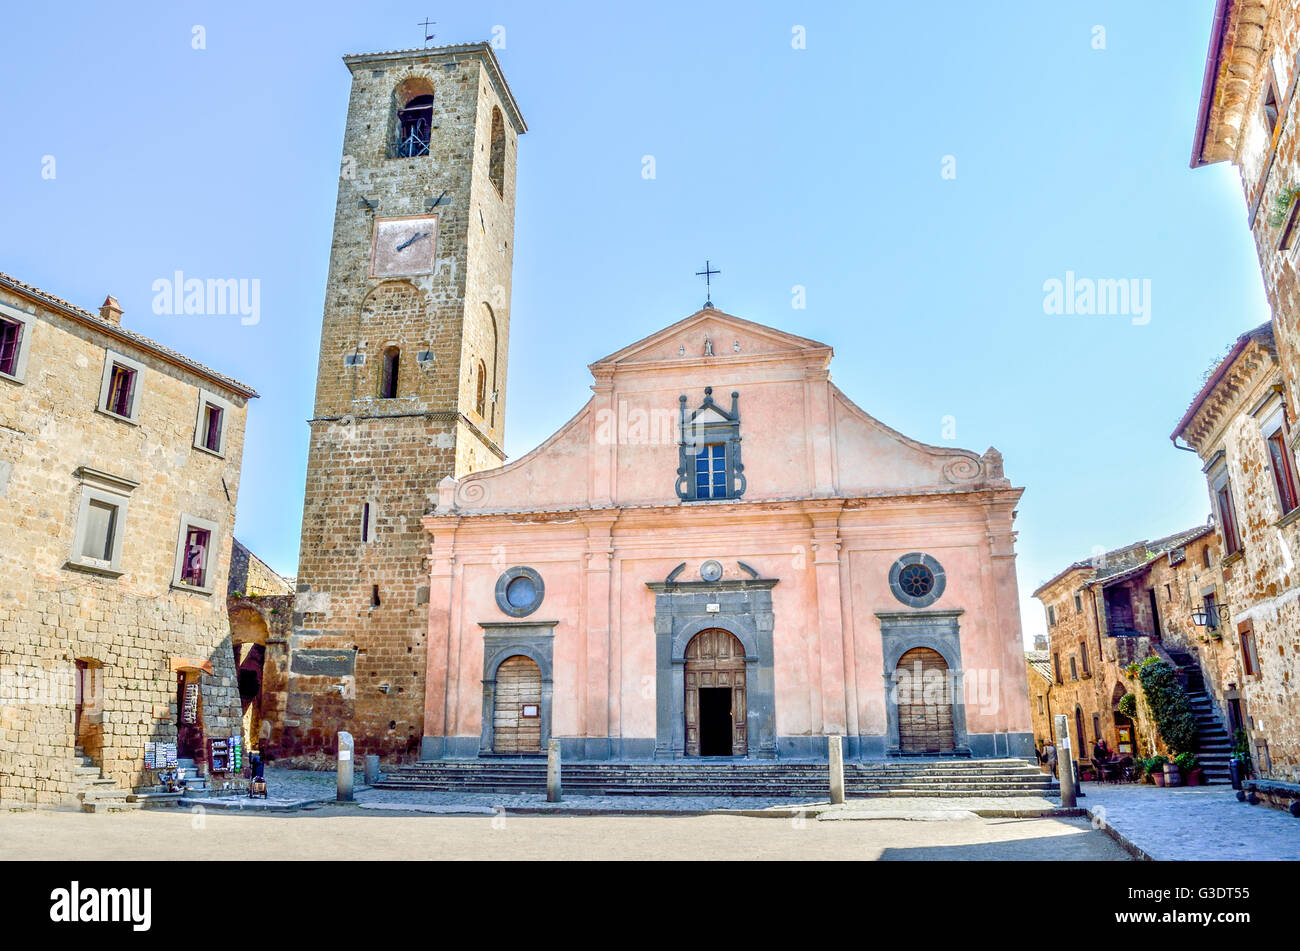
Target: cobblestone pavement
1202 822
350 832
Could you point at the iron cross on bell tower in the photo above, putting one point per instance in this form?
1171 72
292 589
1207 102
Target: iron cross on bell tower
707 274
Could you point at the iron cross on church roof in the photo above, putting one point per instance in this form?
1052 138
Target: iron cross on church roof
707 274
427 35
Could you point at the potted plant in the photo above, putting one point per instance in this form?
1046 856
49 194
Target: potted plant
1173 775
1128 705
1190 767
1155 768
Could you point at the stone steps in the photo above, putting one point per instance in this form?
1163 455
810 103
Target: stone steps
730 779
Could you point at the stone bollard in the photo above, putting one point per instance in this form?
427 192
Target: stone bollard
553 771
372 769
346 746
1065 763
835 751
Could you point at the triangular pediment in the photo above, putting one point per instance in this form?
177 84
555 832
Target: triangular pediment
712 335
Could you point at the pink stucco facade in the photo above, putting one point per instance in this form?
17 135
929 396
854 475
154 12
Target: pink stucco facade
832 500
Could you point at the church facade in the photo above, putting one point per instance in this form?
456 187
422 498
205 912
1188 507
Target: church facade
722 555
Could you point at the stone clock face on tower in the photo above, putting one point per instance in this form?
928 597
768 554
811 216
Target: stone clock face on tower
402 247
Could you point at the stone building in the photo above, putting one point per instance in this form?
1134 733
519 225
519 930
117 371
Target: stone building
119 470
638 588
1038 674
1109 612
411 379
1239 426
1242 423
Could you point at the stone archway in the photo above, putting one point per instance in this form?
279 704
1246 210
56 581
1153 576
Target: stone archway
248 637
715 700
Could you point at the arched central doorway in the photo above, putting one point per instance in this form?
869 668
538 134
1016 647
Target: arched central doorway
925 699
715 695
517 707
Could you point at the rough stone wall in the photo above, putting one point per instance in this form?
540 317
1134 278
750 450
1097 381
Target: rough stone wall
131 626
356 664
252 576
1262 39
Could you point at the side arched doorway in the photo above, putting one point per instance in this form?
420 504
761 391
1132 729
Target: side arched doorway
248 637
716 710
925 698
517 707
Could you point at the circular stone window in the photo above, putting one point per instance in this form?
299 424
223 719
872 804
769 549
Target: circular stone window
917 580
520 591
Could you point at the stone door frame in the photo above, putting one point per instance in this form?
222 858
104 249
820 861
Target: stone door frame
744 610
900 632
501 641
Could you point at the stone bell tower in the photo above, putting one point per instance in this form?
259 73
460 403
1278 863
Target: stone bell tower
410 387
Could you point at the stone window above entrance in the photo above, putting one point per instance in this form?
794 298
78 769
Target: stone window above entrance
917 580
709 465
519 591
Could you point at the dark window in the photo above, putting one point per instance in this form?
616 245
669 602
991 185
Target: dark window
1078 604
1249 660
711 472
497 161
1056 666
480 391
916 580
1227 519
1074 669
11 337
1051 615
374 595
414 127
194 567
388 374
1283 471
212 427
1096 728
1211 612
365 522
1272 109
1083 657
121 389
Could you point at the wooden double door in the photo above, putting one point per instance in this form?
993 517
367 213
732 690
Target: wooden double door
517 707
925 703
716 711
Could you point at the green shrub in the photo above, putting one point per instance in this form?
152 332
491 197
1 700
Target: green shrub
1169 707
1154 765
1128 705
1187 762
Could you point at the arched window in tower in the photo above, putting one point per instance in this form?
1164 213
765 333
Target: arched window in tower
497 160
480 393
413 100
388 373
494 384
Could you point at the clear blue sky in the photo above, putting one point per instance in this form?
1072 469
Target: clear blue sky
818 167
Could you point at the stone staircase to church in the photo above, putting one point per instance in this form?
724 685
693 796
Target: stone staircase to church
731 778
